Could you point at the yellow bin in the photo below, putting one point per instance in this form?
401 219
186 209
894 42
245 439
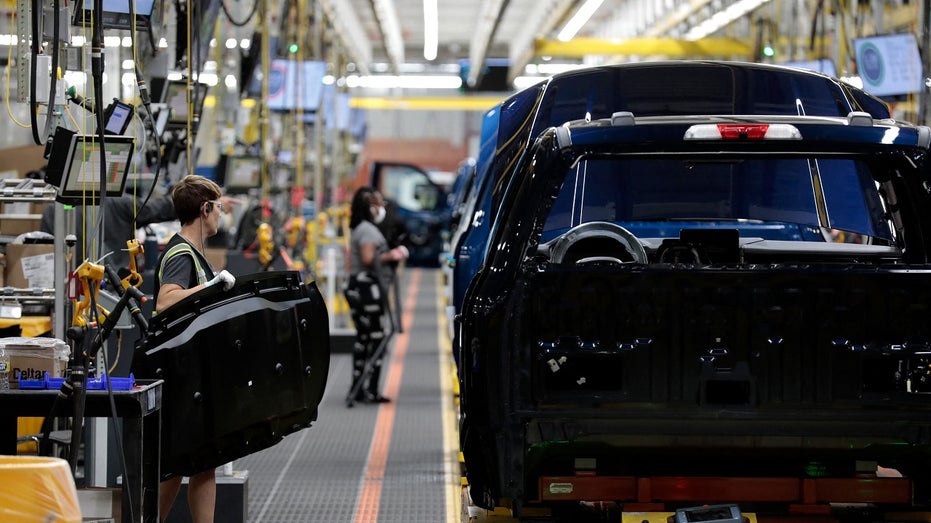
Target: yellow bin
37 489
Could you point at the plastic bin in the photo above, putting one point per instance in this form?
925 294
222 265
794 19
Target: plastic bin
116 383
37 489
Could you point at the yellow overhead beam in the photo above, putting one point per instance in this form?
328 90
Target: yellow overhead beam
428 103
668 47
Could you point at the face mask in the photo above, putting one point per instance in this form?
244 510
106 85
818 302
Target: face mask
378 214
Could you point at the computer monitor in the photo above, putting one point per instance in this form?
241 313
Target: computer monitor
116 14
80 183
176 101
242 173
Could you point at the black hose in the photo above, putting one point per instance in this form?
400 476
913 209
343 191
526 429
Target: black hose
235 22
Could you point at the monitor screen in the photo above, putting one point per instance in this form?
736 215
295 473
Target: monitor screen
242 173
118 116
295 85
116 14
889 65
81 178
176 100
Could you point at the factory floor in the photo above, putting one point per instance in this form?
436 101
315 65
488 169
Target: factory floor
395 461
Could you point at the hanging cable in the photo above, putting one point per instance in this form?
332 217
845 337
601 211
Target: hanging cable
34 64
53 85
147 105
191 68
97 68
235 22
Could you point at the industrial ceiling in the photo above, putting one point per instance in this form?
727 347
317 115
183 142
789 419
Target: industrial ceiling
389 35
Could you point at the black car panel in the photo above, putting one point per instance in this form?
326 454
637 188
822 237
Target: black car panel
663 305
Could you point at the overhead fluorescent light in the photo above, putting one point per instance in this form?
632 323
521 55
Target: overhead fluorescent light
578 20
551 68
391 29
387 81
430 29
523 82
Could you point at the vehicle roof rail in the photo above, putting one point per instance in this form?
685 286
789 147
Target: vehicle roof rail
859 118
622 118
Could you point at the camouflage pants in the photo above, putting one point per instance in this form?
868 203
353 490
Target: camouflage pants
368 304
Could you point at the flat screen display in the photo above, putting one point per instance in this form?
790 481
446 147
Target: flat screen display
242 173
81 177
295 85
116 14
889 65
176 101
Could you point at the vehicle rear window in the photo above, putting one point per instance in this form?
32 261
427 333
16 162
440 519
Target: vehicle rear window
778 199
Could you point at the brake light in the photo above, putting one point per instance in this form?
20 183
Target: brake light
742 131
737 132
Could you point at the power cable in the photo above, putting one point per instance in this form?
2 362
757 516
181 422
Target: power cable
147 105
34 63
235 22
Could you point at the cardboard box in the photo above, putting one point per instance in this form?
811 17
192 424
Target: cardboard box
23 159
99 504
30 265
33 357
217 257
21 217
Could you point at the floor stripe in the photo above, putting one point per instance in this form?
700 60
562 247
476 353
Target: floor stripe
451 467
370 495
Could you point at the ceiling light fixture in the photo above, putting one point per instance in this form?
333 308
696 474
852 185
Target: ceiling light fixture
430 29
388 81
391 31
723 18
579 19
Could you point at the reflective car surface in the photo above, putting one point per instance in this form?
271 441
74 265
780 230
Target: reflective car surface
715 296
645 89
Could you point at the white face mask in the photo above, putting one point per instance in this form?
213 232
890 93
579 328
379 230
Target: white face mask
378 213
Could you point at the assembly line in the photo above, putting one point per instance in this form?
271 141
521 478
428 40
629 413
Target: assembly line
643 261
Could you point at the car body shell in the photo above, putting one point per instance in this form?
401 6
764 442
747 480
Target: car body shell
645 89
784 352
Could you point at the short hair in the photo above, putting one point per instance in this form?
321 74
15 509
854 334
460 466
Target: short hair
190 194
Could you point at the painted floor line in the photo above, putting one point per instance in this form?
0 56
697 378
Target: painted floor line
370 493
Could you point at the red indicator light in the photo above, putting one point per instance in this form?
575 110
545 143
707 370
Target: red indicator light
743 131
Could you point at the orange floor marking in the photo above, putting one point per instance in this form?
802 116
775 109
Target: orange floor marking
370 497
